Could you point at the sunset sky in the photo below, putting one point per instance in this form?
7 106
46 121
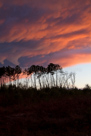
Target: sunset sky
44 31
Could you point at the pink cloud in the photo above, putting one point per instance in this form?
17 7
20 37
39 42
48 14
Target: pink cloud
32 28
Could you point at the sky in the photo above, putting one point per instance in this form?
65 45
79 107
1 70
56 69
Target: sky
43 31
82 74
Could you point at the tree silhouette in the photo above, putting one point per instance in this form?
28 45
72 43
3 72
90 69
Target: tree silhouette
10 73
2 74
53 67
18 71
39 76
35 71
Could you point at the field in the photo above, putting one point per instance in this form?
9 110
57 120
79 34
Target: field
49 112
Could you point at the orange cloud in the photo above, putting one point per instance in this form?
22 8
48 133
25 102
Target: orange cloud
35 28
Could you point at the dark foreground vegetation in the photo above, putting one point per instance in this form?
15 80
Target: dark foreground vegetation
46 112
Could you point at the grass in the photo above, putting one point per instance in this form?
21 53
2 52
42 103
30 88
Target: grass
48 112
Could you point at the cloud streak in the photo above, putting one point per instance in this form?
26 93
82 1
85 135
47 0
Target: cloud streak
40 32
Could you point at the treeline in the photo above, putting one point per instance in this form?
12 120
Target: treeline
37 76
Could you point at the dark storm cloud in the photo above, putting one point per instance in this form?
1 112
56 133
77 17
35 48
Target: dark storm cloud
57 57
7 63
